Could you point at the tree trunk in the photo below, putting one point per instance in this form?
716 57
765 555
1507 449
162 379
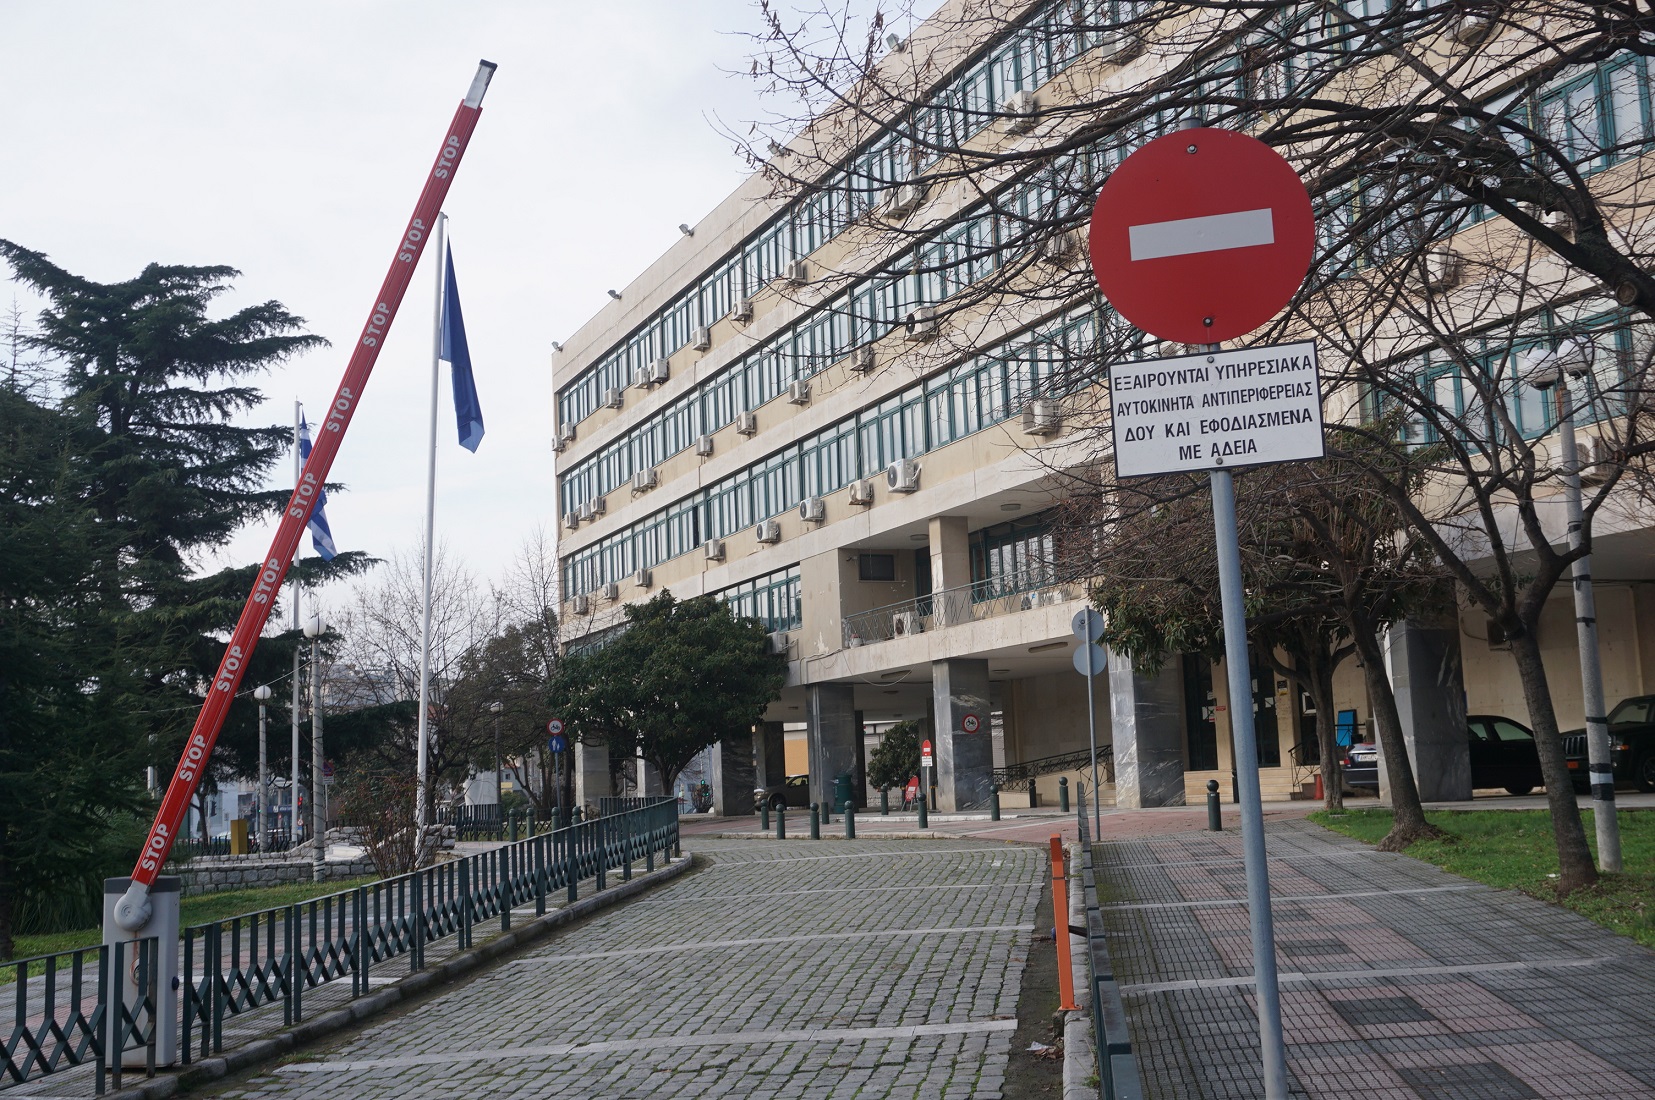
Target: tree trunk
1574 857
1320 687
1409 823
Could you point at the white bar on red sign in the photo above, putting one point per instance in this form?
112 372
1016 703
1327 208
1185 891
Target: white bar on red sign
1216 410
1214 233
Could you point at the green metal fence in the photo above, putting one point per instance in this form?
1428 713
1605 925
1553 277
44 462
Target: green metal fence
62 1013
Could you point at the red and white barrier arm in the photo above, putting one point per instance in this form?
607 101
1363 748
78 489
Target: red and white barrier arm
133 910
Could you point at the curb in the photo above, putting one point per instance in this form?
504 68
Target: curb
274 1046
869 835
1080 1065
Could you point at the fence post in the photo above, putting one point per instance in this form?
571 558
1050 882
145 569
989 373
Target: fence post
570 860
417 912
677 847
539 876
601 825
465 903
187 999
297 964
215 983
101 1034
626 847
502 881
359 954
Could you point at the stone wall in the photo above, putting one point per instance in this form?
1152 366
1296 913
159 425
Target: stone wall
209 875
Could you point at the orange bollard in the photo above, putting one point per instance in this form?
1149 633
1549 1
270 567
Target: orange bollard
1060 929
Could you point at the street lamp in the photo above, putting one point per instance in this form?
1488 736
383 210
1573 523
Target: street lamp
495 708
1545 370
315 627
262 694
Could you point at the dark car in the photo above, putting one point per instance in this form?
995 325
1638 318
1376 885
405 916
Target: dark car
1502 755
1631 745
792 791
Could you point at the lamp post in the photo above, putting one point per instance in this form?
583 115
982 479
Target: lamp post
315 627
262 694
494 708
1544 371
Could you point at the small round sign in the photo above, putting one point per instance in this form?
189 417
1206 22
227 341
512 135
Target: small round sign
1087 624
556 743
1202 235
970 723
1090 659
555 726
925 754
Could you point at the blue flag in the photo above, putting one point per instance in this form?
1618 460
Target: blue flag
320 537
468 412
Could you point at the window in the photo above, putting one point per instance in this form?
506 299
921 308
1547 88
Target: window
876 567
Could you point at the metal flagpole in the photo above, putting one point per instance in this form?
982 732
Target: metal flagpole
133 910
421 794
293 791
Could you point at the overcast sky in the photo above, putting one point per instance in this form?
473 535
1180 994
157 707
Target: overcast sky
290 141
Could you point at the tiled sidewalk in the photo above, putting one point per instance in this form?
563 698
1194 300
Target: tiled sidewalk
1398 980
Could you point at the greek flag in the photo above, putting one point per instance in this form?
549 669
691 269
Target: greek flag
468 412
320 537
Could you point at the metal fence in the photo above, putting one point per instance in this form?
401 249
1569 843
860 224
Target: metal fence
1111 1037
273 956
955 606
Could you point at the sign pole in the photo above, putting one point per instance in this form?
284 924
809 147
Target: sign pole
1239 670
1092 735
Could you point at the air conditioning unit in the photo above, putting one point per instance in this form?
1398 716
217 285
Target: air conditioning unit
598 506
813 509
798 393
1439 269
566 433
901 200
701 338
1061 248
643 578
659 371
612 398
585 513
768 531
611 591
1593 452
861 359
640 378
743 311
1042 416
921 324
1559 222
714 549
703 445
571 520
861 492
778 642
796 273
645 480
747 422
902 476
583 605
560 444
904 623
1472 27
1024 109
1119 46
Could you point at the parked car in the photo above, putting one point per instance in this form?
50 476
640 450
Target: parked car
1502 755
1631 745
792 791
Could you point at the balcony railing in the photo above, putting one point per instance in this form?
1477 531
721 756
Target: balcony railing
955 606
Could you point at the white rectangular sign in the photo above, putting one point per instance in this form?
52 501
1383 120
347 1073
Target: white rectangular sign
1216 410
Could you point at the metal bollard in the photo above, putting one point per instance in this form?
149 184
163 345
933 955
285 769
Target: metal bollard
514 827
1215 821
764 816
850 821
781 822
924 821
827 812
884 801
1063 793
815 822
994 802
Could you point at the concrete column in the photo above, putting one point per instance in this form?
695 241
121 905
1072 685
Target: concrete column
831 733
965 761
732 777
950 566
769 755
591 773
1424 666
1146 717
859 777
649 780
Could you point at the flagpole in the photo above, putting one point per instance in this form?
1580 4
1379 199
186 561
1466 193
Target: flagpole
293 791
421 794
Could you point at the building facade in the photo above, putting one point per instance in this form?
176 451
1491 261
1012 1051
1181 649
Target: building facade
801 409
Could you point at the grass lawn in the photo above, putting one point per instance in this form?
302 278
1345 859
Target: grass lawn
1514 849
198 909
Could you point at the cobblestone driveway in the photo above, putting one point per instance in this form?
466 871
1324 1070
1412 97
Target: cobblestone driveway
882 968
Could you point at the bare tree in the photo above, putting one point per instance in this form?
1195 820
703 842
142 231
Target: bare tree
1482 186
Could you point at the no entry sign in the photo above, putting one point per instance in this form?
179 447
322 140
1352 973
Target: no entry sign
1201 236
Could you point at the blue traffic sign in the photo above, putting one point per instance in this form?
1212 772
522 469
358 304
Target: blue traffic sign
557 743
